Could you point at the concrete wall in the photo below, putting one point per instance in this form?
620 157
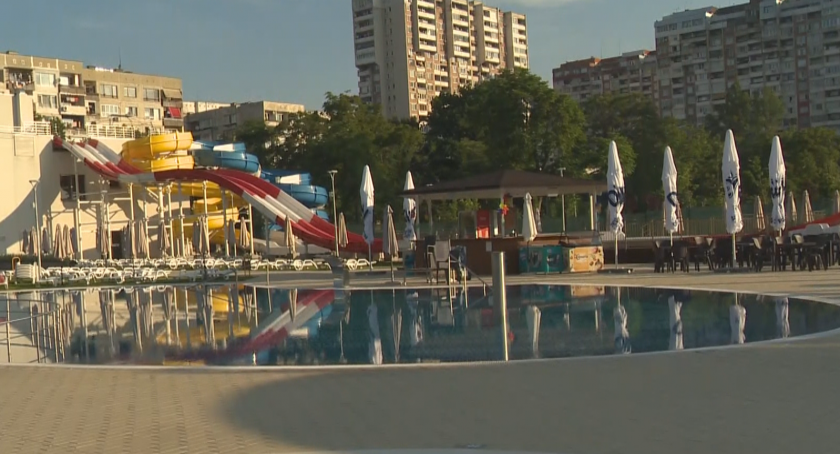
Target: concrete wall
30 157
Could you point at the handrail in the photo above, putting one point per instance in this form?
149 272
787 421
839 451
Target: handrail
471 272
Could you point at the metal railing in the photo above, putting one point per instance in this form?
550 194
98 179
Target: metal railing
49 330
36 128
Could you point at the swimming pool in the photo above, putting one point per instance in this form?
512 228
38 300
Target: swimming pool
171 324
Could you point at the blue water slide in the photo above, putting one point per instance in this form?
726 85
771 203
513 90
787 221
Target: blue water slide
278 177
310 196
235 160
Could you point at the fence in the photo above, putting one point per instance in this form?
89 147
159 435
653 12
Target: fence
37 128
34 329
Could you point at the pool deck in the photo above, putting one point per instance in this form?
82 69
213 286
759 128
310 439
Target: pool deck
778 397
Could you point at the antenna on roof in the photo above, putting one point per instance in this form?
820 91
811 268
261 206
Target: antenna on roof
120 57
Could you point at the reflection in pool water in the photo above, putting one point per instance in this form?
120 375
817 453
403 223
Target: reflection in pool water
244 324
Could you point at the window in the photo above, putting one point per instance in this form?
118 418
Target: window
47 101
151 94
108 91
150 113
45 79
131 111
107 110
130 92
68 187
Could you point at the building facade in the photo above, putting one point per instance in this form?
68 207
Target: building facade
407 52
221 123
631 72
88 99
791 47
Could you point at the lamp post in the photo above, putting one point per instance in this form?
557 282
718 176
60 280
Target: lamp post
34 184
335 210
563 202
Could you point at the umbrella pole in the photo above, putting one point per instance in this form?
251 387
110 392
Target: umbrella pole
733 251
183 245
225 222
169 219
616 249
370 258
251 228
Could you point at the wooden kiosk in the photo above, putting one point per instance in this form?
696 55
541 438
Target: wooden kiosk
497 186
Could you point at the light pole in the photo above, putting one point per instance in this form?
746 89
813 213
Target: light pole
563 202
34 184
335 210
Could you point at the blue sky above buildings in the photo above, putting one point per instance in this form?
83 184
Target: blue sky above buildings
288 50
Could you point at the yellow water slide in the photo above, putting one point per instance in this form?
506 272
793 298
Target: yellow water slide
162 152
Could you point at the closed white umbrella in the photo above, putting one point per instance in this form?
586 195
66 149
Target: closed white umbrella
807 211
533 315
143 240
409 211
196 237
529 224
836 202
669 186
778 174
58 246
782 321
367 198
390 244
231 236
676 338
737 322
163 239
69 250
375 339
291 241
244 236
205 236
731 170
615 186
46 241
24 243
791 208
760 224
342 231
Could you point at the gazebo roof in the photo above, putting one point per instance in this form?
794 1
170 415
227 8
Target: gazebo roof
516 183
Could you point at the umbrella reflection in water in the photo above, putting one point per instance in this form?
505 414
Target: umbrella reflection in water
737 321
676 338
532 318
375 340
782 322
622 336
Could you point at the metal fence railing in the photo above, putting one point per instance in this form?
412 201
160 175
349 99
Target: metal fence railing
35 329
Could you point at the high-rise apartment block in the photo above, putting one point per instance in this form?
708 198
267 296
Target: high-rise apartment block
631 72
88 98
409 51
789 46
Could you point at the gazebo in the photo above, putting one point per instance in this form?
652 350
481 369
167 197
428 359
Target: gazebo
498 185
513 183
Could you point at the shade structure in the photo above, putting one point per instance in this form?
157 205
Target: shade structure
409 210
807 214
675 314
291 241
731 170
791 208
669 187
342 231
615 188
366 194
778 184
760 224
515 183
782 320
390 244
529 224
375 339
737 322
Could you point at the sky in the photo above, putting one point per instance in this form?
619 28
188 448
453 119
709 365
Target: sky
289 50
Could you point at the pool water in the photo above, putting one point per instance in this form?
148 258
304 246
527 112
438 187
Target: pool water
163 325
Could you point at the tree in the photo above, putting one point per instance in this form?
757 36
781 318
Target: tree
811 158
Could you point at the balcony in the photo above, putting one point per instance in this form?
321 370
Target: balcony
173 123
72 90
69 109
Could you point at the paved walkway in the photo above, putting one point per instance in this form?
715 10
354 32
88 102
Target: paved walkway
766 398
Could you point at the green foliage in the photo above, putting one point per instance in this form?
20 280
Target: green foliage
516 121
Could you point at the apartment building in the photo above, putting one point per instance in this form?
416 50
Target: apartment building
193 107
407 52
630 72
789 46
88 98
221 123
